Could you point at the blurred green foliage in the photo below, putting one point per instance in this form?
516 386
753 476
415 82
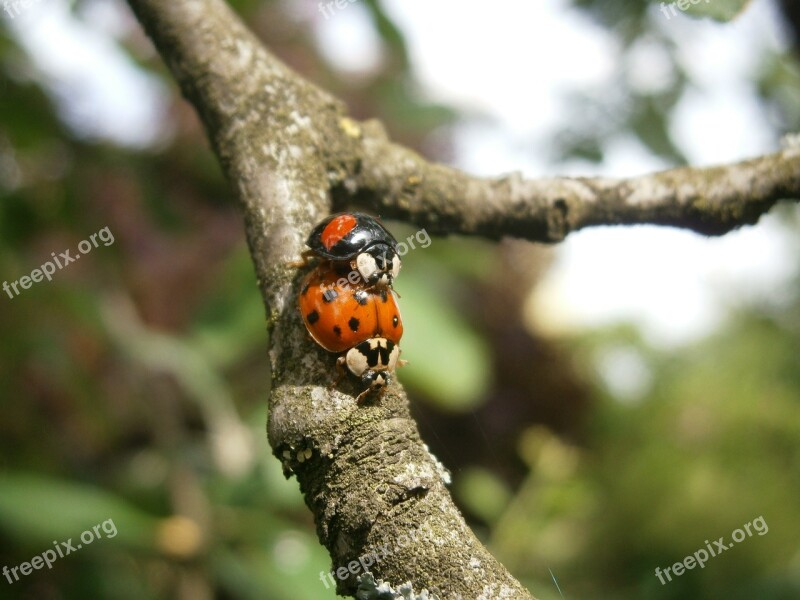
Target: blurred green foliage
714 444
134 384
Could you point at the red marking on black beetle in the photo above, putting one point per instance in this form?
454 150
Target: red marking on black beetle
337 229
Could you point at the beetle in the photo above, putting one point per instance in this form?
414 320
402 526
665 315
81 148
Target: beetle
360 241
354 319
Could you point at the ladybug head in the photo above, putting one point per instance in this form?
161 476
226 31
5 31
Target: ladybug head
378 265
372 361
375 381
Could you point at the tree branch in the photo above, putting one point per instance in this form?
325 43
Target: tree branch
371 483
398 183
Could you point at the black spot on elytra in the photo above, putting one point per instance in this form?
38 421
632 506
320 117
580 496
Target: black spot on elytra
312 317
337 330
384 295
361 297
353 323
395 321
329 295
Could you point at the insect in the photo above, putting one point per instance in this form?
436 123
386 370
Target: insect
359 241
362 323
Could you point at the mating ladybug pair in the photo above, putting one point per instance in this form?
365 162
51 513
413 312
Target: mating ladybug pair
347 301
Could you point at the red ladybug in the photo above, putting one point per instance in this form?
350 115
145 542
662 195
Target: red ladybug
360 241
362 323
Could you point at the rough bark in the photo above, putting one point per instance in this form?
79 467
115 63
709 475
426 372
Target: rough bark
290 152
398 183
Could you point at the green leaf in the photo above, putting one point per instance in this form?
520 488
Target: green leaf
40 510
719 10
447 358
482 492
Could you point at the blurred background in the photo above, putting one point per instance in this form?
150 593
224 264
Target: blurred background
620 399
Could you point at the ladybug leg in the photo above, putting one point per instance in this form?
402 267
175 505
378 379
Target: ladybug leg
377 289
364 394
378 394
340 370
402 363
305 260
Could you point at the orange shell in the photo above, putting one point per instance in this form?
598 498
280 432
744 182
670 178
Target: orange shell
339 315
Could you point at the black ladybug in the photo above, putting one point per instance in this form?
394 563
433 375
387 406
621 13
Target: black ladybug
361 241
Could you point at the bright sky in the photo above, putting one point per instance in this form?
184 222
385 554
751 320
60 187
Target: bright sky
511 64
99 90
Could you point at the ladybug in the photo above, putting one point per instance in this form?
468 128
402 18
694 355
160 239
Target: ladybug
362 323
360 241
